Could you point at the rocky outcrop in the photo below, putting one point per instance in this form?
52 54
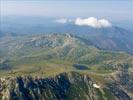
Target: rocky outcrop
118 92
65 86
59 87
122 85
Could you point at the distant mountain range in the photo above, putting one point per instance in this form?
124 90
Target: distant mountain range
110 38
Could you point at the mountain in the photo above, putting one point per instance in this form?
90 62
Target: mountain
36 50
112 38
3 34
62 66
109 38
51 46
68 86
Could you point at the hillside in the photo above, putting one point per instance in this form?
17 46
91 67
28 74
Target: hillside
110 38
68 86
66 58
43 49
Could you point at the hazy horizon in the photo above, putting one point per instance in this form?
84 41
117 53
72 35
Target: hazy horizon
112 10
118 12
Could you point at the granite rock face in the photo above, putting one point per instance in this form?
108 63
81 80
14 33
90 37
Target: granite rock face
65 86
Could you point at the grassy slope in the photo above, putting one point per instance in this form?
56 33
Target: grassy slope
52 54
48 56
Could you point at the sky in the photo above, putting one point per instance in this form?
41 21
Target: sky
110 9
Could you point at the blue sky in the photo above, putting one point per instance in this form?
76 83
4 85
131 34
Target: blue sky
110 9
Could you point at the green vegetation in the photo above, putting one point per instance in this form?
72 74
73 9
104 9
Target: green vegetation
55 53
47 56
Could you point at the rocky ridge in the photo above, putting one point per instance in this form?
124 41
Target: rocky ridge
65 86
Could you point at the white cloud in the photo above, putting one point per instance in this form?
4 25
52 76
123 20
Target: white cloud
93 22
62 20
90 21
105 23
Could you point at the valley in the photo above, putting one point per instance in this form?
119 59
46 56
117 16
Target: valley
46 57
